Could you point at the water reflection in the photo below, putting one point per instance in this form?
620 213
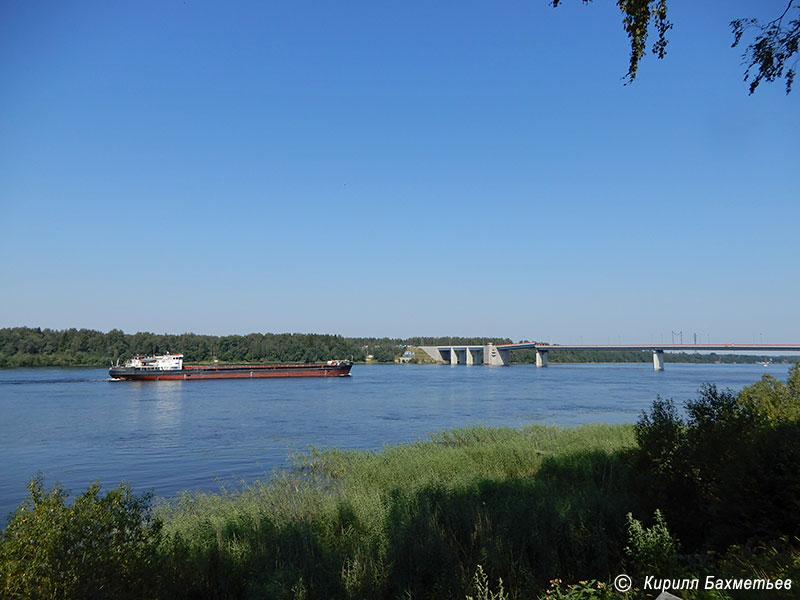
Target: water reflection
158 403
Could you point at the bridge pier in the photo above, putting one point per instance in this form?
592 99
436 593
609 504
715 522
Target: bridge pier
541 357
492 355
658 360
469 359
474 355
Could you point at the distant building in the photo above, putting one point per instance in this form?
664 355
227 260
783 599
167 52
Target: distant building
406 356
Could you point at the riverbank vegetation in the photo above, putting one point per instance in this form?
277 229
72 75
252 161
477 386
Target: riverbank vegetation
35 347
477 512
32 347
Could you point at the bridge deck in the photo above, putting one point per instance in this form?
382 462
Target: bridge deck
499 355
678 347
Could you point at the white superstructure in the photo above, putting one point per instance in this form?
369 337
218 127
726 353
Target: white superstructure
164 362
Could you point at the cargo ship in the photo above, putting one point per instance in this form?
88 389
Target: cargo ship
170 366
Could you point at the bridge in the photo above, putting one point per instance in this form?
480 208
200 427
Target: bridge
498 355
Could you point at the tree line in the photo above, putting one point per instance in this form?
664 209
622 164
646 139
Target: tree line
30 347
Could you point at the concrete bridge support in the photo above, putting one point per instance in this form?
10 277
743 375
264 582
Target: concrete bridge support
492 355
541 358
474 356
658 360
468 355
436 354
441 355
458 356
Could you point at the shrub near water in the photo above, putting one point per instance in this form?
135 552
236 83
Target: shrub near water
732 465
100 546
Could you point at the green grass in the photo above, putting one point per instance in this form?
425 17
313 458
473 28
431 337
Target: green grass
415 519
422 357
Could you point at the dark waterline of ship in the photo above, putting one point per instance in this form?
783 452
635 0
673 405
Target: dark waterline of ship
75 426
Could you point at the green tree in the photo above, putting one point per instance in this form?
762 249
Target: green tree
775 400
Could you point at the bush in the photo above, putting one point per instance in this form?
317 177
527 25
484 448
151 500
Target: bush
100 546
483 591
775 400
729 466
650 550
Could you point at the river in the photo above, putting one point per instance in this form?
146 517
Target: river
74 425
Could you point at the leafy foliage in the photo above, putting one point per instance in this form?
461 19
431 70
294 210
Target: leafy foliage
483 590
583 590
731 466
31 347
650 550
773 399
100 546
638 18
772 54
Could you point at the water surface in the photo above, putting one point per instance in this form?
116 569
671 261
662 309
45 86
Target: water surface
76 426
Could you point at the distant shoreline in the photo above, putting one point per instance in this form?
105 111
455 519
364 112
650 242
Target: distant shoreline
780 361
37 347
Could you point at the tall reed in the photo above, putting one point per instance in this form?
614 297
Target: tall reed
528 504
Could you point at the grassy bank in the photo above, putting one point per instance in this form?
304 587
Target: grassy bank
416 519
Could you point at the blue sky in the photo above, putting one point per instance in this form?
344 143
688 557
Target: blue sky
393 168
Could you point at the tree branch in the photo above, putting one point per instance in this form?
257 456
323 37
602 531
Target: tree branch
773 54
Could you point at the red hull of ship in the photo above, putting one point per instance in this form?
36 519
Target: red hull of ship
236 372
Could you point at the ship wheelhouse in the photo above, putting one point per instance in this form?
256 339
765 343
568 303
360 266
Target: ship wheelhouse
165 362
